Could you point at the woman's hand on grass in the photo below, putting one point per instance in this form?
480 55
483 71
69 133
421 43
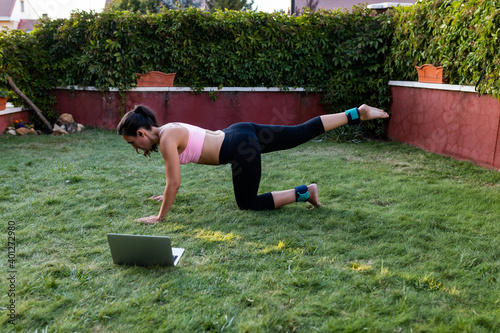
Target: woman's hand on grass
158 198
149 219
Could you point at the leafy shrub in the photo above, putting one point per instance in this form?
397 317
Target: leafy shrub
24 59
462 36
358 76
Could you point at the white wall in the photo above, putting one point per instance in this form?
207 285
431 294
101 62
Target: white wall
62 8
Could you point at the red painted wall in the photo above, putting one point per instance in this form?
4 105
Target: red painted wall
97 109
6 119
457 124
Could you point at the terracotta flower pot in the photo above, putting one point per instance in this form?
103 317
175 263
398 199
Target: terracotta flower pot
430 74
156 79
3 103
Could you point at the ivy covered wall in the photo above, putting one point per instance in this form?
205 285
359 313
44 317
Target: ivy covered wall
339 53
460 35
349 56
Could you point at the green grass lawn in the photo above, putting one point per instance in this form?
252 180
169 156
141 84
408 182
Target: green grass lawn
406 241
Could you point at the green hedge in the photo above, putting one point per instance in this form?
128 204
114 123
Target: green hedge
349 56
339 53
24 59
462 36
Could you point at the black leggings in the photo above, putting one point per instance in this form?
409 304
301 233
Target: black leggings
242 147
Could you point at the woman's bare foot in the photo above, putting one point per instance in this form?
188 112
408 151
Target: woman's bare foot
367 113
313 195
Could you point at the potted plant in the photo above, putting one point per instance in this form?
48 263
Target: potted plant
430 74
156 79
3 98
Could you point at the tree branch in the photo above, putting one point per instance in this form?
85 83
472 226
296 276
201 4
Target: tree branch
30 103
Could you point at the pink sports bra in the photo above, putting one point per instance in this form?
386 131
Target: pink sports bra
194 146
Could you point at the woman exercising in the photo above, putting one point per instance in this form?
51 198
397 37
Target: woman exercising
240 145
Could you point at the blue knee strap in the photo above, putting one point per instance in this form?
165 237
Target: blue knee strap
353 117
301 193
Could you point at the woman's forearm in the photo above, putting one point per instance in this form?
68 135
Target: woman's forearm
168 199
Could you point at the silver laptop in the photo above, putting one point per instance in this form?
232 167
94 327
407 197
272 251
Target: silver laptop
143 250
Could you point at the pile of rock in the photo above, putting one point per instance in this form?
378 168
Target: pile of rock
21 131
66 124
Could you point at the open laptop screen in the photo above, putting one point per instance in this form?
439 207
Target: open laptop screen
143 250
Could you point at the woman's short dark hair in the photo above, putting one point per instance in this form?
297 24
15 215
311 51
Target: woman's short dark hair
140 117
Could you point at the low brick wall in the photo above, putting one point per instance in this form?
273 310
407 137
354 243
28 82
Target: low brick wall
11 114
447 119
261 105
